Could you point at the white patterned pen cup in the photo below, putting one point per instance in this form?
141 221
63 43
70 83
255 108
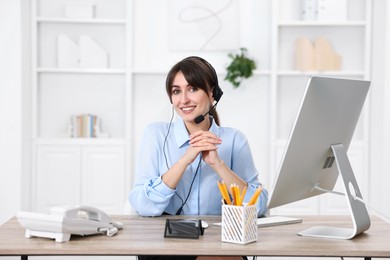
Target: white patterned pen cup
239 224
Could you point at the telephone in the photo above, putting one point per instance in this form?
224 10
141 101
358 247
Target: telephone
64 221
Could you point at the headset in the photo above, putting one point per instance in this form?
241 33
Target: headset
217 91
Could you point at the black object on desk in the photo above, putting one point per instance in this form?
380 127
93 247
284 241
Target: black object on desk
183 228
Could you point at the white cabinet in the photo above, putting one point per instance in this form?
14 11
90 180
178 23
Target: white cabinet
80 65
74 174
103 177
58 179
348 34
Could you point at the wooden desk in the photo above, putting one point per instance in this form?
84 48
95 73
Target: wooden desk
145 236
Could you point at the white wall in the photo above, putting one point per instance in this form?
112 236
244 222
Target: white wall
10 108
380 108
385 180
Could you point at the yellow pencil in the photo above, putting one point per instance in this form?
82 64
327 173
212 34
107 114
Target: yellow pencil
243 194
255 195
234 193
237 190
224 192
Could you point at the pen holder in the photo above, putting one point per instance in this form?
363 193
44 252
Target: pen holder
239 224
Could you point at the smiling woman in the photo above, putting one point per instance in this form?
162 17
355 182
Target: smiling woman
190 75
181 162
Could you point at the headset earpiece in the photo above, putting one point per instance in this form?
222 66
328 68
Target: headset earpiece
217 93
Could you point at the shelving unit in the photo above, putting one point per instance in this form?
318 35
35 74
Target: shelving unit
80 170
136 75
351 40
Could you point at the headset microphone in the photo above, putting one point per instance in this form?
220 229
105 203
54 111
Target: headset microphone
199 119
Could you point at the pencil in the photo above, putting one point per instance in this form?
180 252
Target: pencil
234 193
237 190
255 196
224 192
243 194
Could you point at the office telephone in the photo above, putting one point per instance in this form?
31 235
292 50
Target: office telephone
64 221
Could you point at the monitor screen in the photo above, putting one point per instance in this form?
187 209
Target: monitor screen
328 115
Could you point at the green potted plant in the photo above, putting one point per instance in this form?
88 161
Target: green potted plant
240 68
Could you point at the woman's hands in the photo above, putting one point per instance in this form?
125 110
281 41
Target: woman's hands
205 142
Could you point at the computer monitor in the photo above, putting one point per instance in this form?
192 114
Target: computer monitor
316 153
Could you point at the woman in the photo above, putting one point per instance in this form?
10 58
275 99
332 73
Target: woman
180 163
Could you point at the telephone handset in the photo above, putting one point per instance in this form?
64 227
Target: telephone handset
74 212
64 221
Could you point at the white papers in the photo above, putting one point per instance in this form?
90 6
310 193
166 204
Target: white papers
332 10
91 54
67 52
84 54
324 10
309 10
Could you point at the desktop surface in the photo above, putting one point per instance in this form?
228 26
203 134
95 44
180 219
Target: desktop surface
142 236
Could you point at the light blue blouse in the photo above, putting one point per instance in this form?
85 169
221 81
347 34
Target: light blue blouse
151 197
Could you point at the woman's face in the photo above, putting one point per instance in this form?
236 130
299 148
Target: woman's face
188 101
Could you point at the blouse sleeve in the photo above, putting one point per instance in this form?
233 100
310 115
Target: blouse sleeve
243 165
150 195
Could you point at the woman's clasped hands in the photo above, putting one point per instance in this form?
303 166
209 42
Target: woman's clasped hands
206 142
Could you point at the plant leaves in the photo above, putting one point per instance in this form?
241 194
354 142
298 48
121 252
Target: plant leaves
240 68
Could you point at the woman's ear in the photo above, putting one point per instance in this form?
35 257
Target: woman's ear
211 96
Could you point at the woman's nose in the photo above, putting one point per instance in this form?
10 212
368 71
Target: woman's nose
184 97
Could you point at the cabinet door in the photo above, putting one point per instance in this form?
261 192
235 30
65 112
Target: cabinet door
104 177
58 176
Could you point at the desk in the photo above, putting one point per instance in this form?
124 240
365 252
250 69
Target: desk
138 233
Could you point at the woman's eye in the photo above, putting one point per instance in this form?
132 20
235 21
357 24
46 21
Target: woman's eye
175 91
193 89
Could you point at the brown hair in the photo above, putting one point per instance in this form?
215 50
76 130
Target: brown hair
198 73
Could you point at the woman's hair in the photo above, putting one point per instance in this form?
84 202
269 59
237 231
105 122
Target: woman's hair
199 74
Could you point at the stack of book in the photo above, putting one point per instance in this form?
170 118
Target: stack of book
84 125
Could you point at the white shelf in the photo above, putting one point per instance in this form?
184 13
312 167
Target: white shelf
77 169
262 72
320 23
146 71
81 71
329 73
80 141
350 39
80 21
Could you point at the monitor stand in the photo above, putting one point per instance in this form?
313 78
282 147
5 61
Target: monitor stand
359 214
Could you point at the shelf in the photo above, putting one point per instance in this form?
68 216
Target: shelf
321 23
80 21
80 141
81 71
327 73
146 71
